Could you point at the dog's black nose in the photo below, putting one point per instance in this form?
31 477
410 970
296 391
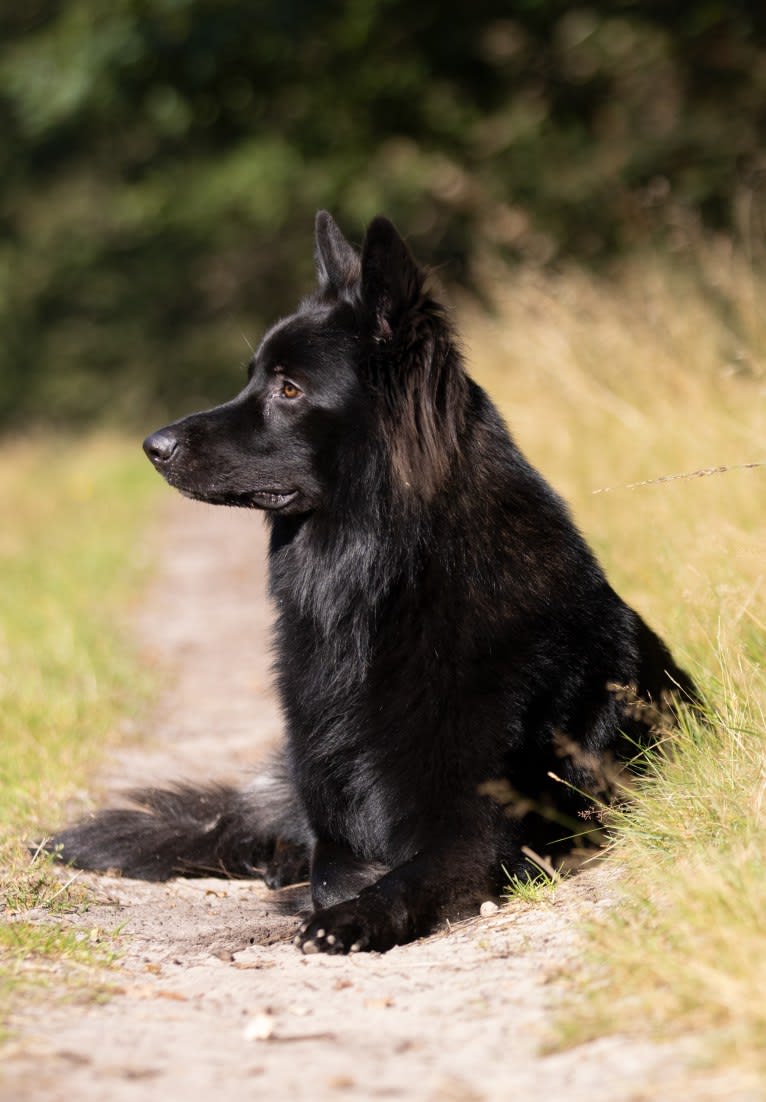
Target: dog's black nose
160 445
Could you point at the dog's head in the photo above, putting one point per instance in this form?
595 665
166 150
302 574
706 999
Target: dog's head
321 386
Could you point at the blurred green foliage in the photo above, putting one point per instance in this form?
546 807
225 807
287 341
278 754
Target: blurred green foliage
161 161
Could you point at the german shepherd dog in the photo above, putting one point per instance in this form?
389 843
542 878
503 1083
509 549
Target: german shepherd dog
445 639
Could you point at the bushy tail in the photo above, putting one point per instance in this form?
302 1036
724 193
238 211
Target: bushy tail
215 830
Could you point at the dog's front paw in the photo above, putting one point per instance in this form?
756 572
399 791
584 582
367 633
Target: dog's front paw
345 928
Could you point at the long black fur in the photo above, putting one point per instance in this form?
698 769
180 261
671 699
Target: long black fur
445 638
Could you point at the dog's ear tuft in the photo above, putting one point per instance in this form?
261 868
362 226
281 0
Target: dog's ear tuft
392 282
337 262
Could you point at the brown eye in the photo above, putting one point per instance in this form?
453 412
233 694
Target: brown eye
290 390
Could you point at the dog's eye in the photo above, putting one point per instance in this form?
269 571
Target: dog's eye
290 390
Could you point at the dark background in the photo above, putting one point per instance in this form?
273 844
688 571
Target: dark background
161 162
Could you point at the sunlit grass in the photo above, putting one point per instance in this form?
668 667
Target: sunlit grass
607 383
40 959
533 889
71 557
659 371
684 951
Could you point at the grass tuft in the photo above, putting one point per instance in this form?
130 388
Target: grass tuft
535 889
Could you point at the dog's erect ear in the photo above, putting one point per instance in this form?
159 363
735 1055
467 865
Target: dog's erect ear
337 262
391 279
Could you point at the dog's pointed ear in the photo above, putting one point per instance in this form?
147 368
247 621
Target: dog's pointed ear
392 282
337 262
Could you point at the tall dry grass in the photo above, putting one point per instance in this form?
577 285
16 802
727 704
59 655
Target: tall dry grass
660 370
609 383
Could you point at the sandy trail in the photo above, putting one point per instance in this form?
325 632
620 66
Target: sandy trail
214 999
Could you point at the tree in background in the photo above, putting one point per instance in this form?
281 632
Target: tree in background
162 159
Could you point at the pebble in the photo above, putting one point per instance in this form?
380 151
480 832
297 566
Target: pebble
259 1028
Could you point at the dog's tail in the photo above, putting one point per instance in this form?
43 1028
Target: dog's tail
214 830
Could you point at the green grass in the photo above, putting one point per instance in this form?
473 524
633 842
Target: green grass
605 383
42 959
72 555
534 889
684 951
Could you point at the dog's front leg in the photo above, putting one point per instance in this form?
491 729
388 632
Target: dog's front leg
399 906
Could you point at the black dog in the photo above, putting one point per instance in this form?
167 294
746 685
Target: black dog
445 639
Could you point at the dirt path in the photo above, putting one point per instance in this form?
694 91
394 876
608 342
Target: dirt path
214 999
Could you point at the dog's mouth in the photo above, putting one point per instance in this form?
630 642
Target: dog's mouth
272 499
250 499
